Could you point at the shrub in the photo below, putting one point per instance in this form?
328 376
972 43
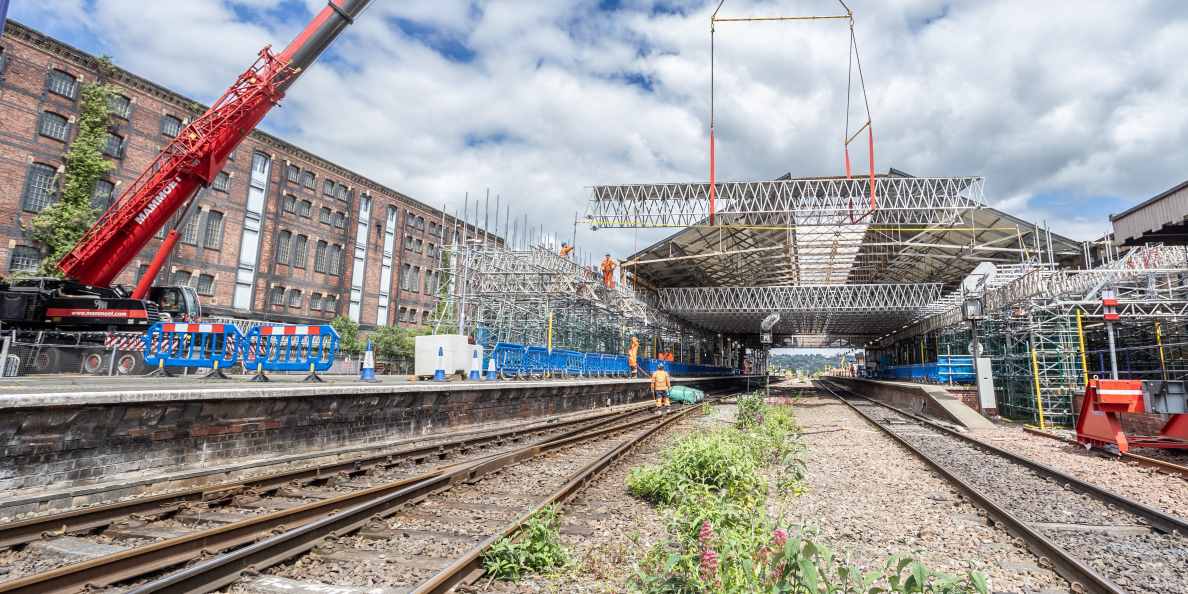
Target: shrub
535 549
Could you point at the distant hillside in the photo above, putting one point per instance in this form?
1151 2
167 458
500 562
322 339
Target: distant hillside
808 364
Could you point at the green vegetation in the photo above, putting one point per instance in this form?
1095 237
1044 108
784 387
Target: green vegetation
536 548
714 489
392 342
348 335
63 223
806 363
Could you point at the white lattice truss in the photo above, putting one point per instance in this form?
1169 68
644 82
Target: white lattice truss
848 312
798 202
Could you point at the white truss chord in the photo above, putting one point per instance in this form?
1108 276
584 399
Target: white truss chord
799 202
816 298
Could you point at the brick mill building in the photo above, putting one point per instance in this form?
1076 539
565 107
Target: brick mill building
282 234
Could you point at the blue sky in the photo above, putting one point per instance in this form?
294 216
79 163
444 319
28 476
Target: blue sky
1069 114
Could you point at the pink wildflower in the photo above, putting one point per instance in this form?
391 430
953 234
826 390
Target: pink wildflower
709 564
779 537
706 533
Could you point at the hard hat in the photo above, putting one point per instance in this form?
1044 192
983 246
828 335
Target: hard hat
660 366
563 244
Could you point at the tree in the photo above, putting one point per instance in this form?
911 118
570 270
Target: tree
392 342
348 335
64 222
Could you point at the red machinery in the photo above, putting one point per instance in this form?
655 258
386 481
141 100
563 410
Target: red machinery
83 307
1099 423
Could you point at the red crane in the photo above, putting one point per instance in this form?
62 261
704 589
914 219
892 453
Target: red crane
196 156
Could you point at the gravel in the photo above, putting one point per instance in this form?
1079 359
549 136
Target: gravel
1155 561
1165 492
870 499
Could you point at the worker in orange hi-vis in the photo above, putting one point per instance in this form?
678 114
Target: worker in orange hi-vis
661 384
633 357
566 249
608 272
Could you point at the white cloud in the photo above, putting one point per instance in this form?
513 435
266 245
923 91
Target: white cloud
1081 98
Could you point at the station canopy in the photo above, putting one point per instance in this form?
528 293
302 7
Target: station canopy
839 265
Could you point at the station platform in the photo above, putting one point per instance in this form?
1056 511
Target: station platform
62 433
925 399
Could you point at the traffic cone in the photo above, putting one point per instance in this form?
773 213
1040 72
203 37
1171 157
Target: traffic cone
491 369
439 373
476 366
367 374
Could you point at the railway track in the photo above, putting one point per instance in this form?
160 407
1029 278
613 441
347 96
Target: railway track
1100 541
100 545
164 533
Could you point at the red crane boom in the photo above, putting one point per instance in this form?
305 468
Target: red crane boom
197 155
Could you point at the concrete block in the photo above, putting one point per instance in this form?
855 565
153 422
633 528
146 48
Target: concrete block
73 548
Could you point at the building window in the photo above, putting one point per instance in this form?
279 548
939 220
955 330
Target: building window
205 284
410 220
114 146
307 179
293 173
53 126
39 188
299 243
181 278
294 298
315 301
334 265
282 247
421 223
425 318
328 187
24 259
278 296
405 273
401 314
320 257
190 229
62 83
222 181
171 126
304 208
290 203
119 105
330 303
140 272
214 230
101 196
341 192
408 242
419 246
414 284
340 220
324 216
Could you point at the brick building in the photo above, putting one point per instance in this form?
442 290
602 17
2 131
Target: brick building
281 234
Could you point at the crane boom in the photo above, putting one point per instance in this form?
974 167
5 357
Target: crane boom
198 153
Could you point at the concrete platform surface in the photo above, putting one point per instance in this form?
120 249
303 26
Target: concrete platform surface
72 390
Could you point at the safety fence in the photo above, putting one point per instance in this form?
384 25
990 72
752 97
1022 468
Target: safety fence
263 348
517 361
947 369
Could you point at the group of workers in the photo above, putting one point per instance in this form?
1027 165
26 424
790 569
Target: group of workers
607 266
661 382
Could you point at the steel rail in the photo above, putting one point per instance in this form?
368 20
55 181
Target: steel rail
1082 578
90 518
468 567
1170 467
1159 520
224 569
139 561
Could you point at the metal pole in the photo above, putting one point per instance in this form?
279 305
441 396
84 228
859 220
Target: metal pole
1084 359
1039 402
4 356
1159 341
1113 354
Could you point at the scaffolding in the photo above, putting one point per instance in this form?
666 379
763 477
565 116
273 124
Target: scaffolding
1038 317
531 295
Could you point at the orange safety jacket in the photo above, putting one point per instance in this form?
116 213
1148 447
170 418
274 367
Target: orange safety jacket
660 381
633 354
565 251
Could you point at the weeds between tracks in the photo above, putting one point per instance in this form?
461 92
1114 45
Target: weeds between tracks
713 487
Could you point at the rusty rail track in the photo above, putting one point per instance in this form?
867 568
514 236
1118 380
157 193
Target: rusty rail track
144 560
99 516
222 570
1081 576
1164 465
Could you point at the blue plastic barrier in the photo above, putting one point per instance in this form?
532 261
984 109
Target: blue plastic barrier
536 361
509 359
955 369
213 346
289 348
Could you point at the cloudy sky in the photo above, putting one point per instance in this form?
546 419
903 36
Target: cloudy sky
1070 109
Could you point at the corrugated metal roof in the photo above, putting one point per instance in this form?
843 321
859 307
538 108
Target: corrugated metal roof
1167 209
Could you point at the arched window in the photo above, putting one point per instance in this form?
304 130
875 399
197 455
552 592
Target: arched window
299 245
119 105
294 297
39 188
60 82
282 247
101 196
304 208
278 296
53 126
171 126
24 258
290 203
